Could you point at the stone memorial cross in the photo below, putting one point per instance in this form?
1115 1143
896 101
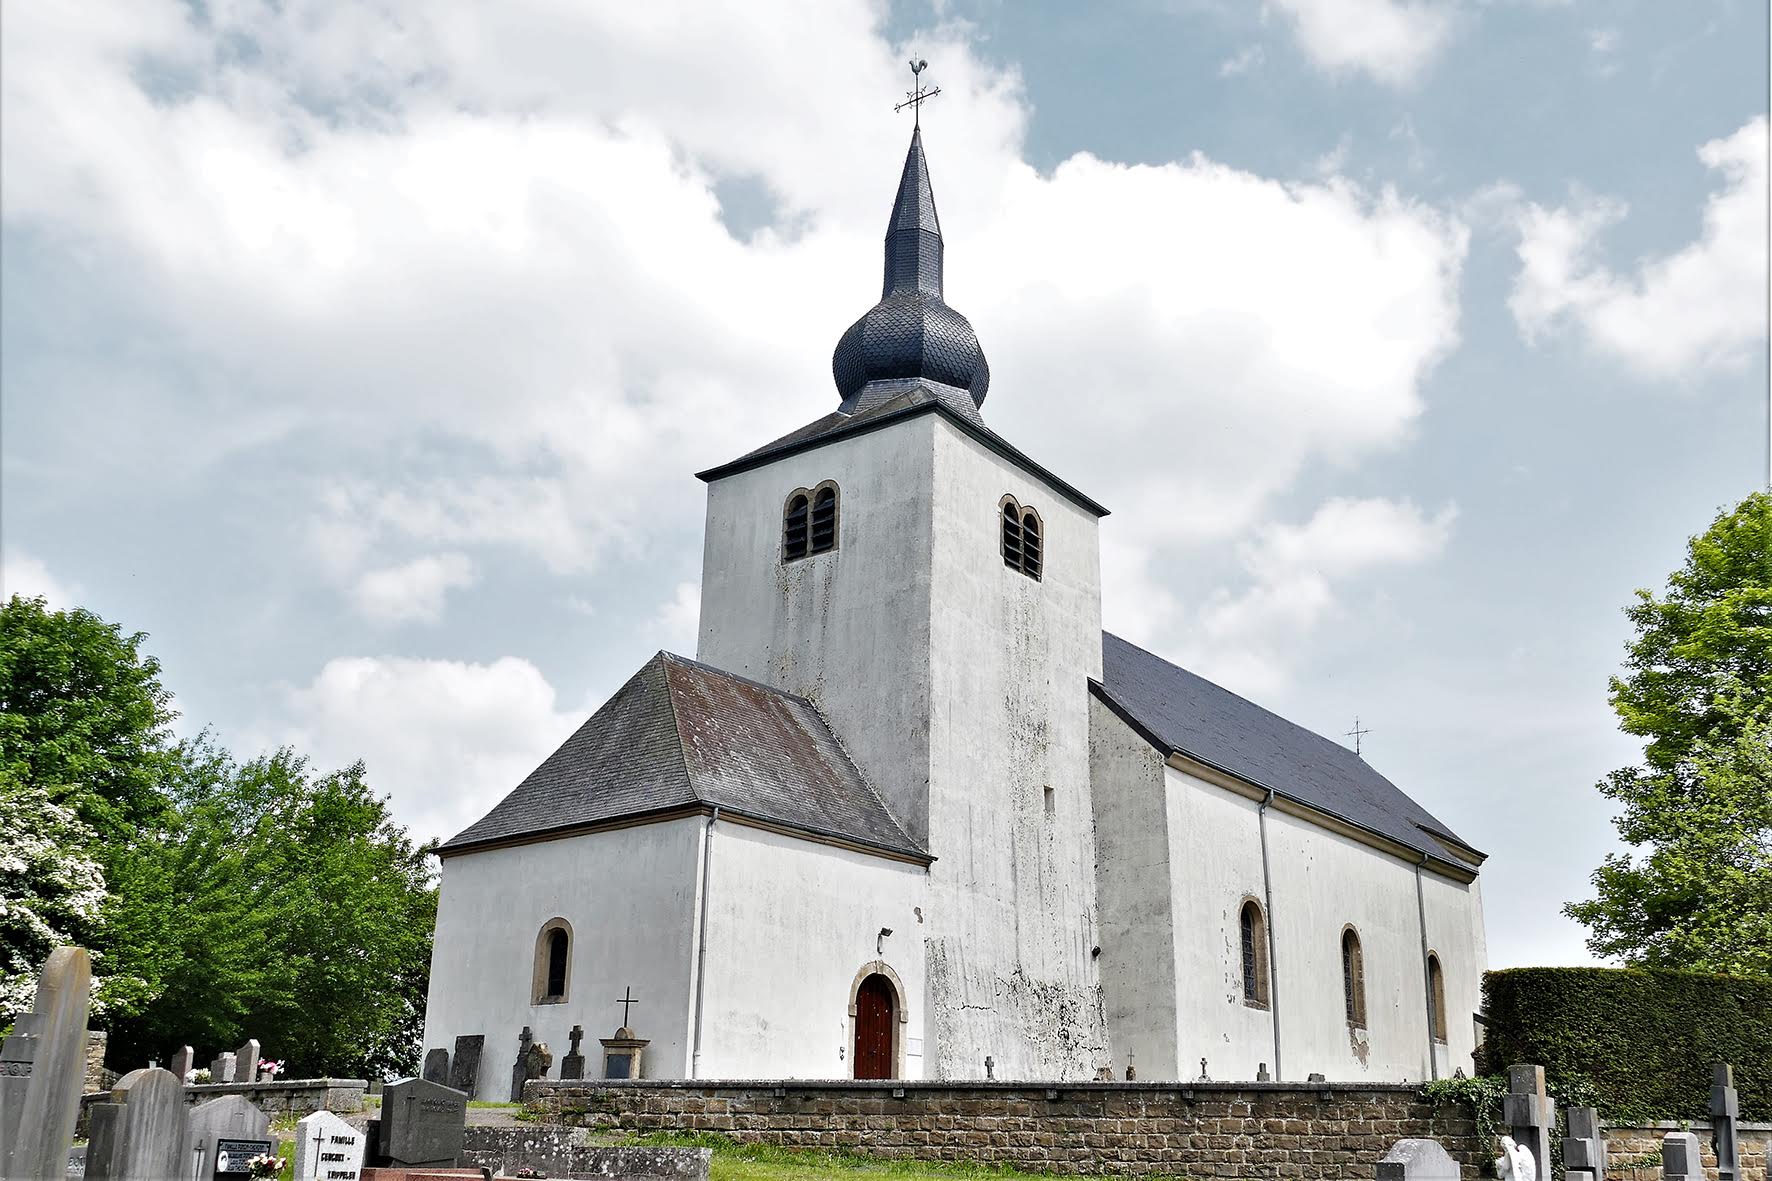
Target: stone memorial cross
1584 1148
572 1066
1530 1114
1725 1109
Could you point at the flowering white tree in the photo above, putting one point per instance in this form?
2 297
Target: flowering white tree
50 888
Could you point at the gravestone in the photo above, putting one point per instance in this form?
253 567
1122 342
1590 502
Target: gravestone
1725 1109
536 1063
1417 1160
101 1139
520 1068
1584 1148
223 1125
222 1069
421 1123
1530 1115
37 1139
1679 1157
245 1063
77 1163
148 1137
464 1067
573 1065
16 1054
182 1062
327 1149
437 1066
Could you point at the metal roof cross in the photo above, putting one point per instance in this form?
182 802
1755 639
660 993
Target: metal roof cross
1356 733
915 97
626 1001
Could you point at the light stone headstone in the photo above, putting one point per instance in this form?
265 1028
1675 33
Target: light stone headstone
437 1066
148 1140
222 1069
16 1055
1679 1156
245 1063
327 1149
1584 1148
421 1123
1417 1160
182 1062
231 1117
464 1065
37 1140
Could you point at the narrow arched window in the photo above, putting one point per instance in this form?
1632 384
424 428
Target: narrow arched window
1023 542
794 527
824 520
1252 932
1436 997
1353 978
553 963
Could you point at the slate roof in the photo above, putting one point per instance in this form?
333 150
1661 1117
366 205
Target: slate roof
1179 712
919 397
681 734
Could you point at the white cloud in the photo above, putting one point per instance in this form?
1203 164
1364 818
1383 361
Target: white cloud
677 621
1702 307
21 574
445 739
1390 40
414 591
1243 636
1248 58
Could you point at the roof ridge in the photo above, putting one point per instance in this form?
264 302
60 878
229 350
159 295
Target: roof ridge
664 659
866 780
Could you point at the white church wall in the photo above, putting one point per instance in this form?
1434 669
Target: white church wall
1215 838
629 895
1456 935
790 924
1012 892
1135 902
848 629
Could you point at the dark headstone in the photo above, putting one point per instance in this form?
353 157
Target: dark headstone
1584 1148
1679 1157
437 1066
573 1065
464 1067
101 1139
421 1123
520 1068
231 1117
1725 1109
1530 1114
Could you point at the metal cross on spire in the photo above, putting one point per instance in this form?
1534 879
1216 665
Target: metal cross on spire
1356 733
916 96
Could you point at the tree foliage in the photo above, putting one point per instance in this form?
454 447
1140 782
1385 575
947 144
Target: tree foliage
236 899
1698 689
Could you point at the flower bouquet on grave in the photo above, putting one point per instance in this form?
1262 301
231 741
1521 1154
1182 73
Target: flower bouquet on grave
199 1075
268 1069
528 1171
264 1165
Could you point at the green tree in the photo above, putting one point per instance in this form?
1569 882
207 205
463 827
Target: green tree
83 715
1698 689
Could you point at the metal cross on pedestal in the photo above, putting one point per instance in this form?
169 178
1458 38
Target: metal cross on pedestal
1356 733
626 1001
916 96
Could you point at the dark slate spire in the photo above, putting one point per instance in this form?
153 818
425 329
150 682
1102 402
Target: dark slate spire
911 336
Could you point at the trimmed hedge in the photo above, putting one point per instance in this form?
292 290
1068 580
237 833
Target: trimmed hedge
1637 1042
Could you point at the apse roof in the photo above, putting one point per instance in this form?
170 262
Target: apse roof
681 735
1179 712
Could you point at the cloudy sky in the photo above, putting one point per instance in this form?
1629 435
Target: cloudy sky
361 354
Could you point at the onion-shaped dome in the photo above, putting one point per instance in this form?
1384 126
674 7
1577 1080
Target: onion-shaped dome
911 334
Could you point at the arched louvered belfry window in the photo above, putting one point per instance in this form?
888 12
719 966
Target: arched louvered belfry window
1436 997
1023 539
553 963
1252 942
824 519
795 527
1353 978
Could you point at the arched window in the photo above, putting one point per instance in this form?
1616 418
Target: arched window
809 522
1023 541
1353 978
1436 997
553 962
1252 931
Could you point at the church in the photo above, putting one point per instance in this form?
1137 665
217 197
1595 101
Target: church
910 813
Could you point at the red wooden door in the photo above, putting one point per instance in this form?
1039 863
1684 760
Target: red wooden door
873 1028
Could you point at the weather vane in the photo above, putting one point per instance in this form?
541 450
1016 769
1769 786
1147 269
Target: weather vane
916 96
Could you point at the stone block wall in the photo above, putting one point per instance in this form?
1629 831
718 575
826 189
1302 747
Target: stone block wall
569 1152
1634 1154
1279 1130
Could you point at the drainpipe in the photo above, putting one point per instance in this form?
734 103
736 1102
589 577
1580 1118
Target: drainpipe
701 954
1273 966
1427 980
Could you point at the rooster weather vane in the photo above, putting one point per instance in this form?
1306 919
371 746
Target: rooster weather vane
916 96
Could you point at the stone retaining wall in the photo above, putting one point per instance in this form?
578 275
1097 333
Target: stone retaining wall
1643 1145
1281 1130
568 1152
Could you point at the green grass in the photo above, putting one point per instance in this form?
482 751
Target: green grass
766 1162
